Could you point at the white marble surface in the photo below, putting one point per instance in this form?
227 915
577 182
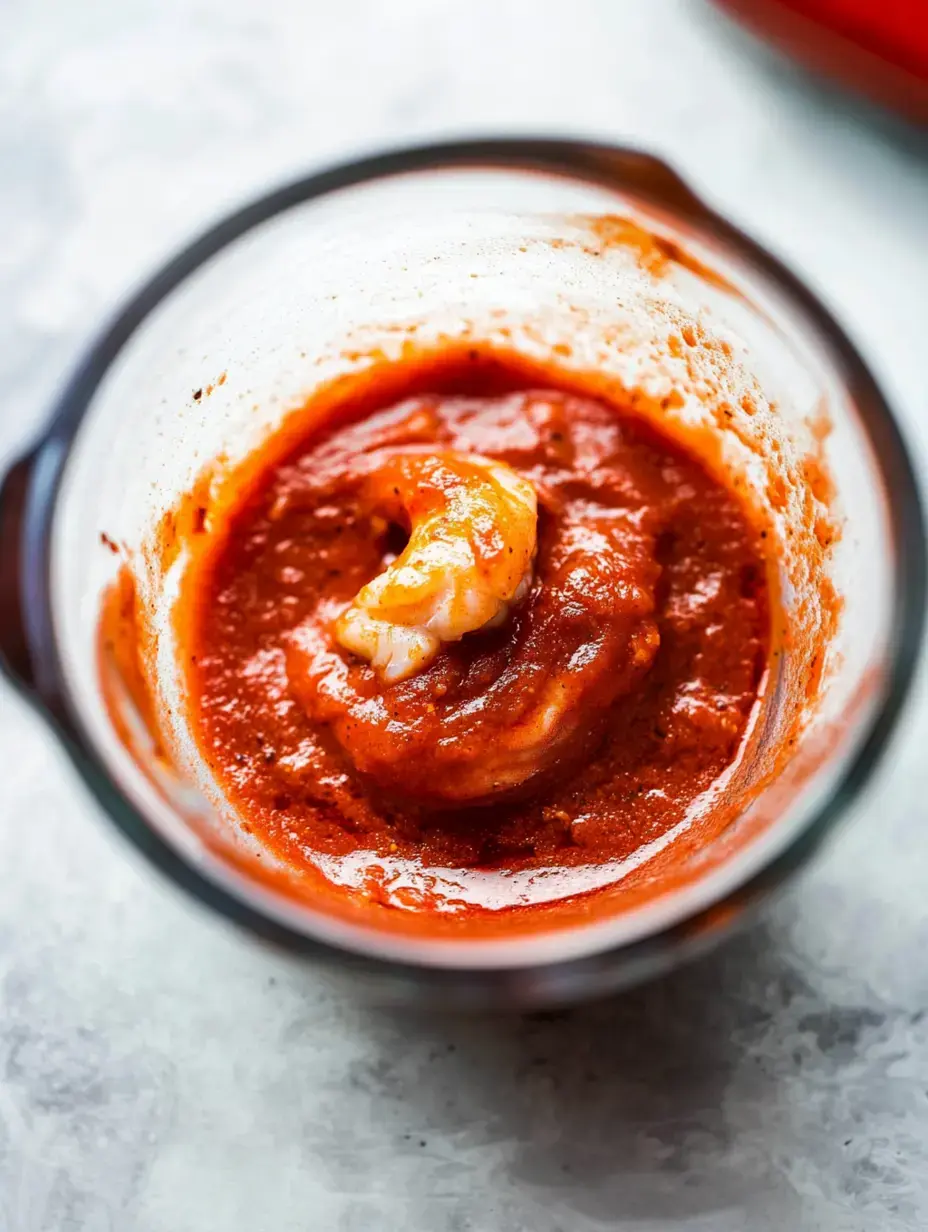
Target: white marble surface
158 1072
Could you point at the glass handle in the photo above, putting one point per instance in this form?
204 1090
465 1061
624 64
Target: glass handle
648 176
21 657
15 655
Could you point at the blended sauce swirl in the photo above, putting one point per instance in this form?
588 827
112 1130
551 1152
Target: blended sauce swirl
479 631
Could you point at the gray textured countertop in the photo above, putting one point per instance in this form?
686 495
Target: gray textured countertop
158 1072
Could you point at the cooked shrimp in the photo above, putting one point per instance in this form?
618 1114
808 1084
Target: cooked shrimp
472 538
509 709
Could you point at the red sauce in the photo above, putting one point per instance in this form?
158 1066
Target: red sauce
649 605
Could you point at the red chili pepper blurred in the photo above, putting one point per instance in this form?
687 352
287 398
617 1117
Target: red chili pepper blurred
879 47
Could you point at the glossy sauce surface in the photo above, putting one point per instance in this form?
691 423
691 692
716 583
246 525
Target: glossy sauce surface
643 642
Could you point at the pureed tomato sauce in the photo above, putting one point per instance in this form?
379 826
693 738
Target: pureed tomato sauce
645 632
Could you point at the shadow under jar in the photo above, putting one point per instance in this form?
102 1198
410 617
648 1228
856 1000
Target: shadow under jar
597 271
